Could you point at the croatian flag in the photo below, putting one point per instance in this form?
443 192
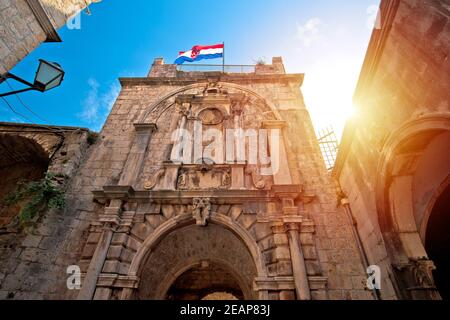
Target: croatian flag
198 53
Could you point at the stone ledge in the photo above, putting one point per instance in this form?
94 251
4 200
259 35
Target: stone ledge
182 81
117 281
287 283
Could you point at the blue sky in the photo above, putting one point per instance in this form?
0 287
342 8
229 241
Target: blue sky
326 40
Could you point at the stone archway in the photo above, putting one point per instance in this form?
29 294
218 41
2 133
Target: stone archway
157 109
415 163
206 279
214 253
21 159
188 248
238 249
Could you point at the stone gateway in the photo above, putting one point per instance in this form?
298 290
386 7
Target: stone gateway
212 185
213 222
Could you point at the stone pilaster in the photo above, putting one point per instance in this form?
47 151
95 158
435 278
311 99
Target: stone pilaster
112 219
95 267
281 174
238 176
136 157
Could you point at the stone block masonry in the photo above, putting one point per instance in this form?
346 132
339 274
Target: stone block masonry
393 161
25 24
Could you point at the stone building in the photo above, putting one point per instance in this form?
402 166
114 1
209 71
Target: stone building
145 224
25 24
394 162
207 224
212 184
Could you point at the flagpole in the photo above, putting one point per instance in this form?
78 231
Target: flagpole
223 58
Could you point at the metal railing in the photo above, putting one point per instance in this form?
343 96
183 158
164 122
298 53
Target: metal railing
329 146
228 68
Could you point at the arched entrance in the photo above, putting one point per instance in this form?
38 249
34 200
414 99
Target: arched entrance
207 280
20 159
437 242
412 205
193 262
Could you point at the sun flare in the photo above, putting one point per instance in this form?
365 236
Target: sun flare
329 96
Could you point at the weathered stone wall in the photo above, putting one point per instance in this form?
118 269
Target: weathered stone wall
29 259
24 24
404 79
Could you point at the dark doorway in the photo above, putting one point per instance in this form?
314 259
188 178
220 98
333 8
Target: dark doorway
208 281
438 242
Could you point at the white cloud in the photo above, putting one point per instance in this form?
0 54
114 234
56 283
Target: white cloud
91 104
309 32
110 97
97 104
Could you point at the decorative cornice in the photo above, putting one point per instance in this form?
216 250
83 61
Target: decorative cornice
183 197
118 192
287 191
274 124
44 21
228 196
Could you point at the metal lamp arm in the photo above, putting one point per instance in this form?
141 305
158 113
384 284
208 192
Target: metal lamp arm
8 75
14 77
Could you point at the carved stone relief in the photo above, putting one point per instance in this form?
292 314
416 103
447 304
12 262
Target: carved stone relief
154 179
202 177
257 180
211 117
201 210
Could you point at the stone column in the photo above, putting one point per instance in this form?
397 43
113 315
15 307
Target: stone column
298 262
292 222
135 159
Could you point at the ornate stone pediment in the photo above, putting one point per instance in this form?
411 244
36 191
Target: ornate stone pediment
203 177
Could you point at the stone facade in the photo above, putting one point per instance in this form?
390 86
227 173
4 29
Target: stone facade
141 225
25 24
394 160
286 228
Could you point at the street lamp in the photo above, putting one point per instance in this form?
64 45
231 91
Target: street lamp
48 76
